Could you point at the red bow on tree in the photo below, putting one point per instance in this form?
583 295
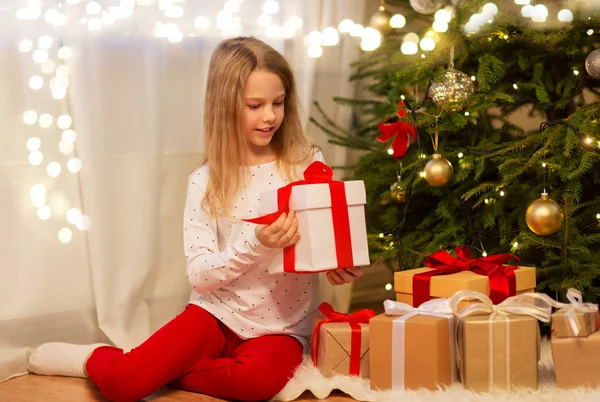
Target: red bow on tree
401 131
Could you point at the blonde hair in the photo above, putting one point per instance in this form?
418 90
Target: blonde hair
225 143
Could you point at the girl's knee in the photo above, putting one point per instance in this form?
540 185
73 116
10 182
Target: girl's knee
276 367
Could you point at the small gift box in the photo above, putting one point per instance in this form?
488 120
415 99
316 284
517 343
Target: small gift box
576 361
331 222
340 342
498 347
413 348
576 319
445 275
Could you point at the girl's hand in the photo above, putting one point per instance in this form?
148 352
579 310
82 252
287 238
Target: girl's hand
345 275
279 234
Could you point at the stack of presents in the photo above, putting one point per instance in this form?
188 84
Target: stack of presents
459 319
460 334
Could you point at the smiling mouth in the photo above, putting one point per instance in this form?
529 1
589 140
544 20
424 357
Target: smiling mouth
265 130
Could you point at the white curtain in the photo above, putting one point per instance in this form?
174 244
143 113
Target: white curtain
136 103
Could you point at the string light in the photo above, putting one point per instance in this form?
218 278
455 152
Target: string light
576 72
527 11
390 151
65 235
502 193
33 144
588 140
460 155
484 254
565 15
397 21
44 212
346 25
330 36
315 51
380 235
388 286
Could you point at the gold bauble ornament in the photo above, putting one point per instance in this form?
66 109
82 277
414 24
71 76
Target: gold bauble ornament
397 191
438 171
380 21
452 90
544 216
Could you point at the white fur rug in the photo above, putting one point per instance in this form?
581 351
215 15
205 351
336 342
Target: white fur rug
307 377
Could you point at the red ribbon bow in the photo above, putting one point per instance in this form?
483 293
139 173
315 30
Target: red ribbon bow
502 277
317 172
401 131
354 319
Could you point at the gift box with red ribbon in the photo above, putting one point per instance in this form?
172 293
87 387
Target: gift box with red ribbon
340 342
446 274
331 222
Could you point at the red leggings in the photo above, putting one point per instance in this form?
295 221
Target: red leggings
196 352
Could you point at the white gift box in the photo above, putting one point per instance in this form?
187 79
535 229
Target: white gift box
315 251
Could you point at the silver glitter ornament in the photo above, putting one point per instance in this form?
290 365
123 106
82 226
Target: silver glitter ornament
426 6
592 64
453 89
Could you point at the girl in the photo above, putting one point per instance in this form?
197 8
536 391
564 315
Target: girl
243 332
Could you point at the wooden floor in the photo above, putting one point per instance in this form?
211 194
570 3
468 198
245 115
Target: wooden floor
39 388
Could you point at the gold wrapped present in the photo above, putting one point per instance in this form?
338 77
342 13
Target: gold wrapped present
413 348
576 319
576 361
340 342
498 346
445 275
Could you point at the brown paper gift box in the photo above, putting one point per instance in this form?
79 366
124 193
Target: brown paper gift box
521 345
333 356
427 352
448 285
562 329
576 361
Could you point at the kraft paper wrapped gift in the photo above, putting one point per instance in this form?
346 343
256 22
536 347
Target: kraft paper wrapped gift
340 342
576 361
465 276
499 350
413 348
576 319
331 222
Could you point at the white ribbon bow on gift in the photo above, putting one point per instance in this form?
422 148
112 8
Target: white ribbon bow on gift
435 308
576 305
536 305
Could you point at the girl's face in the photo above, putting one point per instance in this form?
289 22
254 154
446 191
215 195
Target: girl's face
264 109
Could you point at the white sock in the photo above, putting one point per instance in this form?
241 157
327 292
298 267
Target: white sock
58 358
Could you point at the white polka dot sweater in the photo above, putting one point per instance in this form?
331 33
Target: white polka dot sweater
227 265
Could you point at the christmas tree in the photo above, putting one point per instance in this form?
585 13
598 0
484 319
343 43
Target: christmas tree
538 60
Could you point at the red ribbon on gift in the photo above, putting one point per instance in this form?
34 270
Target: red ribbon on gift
354 320
502 277
401 131
317 172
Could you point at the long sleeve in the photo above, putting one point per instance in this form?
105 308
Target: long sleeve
210 266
